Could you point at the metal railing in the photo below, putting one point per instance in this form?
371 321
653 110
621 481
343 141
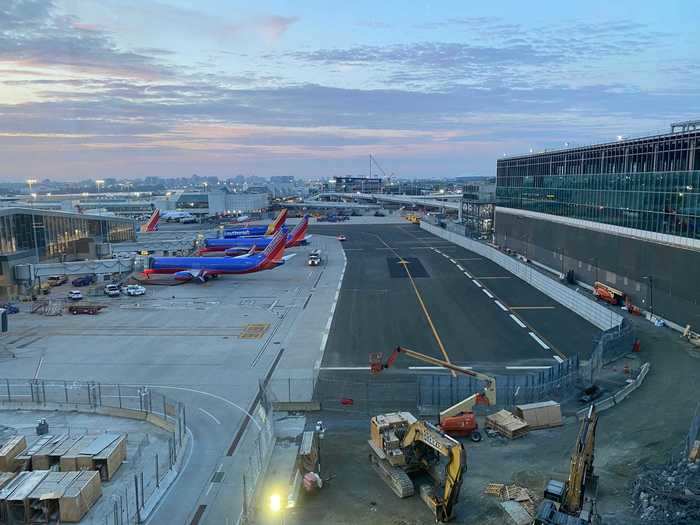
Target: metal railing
116 400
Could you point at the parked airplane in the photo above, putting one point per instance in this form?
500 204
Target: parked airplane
178 216
152 224
247 231
204 268
239 245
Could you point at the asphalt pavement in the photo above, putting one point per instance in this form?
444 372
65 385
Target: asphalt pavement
475 313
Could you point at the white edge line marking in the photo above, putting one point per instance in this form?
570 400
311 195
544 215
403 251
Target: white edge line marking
487 293
558 359
435 367
38 367
210 415
344 368
476 283
539 341
329 322
517 321
500 305
527 367
324 340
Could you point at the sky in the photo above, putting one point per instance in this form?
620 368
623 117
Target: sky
136 88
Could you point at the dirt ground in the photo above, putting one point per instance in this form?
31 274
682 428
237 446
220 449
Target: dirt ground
645 428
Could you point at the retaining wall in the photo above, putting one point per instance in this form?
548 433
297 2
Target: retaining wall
593 312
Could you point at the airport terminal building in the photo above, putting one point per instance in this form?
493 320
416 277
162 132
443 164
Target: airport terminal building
625 213
28 234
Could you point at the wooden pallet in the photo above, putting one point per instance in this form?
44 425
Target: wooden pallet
507 424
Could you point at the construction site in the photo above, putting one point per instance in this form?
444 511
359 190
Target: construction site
394 371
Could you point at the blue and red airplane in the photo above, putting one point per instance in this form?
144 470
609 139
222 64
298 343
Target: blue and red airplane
248 231
204 268
241 245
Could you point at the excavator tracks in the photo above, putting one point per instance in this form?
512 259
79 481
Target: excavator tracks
397 479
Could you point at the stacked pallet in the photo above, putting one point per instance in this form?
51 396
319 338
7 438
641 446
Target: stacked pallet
507 424
45 496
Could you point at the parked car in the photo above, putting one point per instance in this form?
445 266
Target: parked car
10 308
135 289
57 280
75 295
112 290
85 280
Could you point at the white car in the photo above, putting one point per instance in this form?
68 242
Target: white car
134 290
342 238
75 295
112 290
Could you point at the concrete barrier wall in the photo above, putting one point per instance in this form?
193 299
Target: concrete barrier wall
593 312
620 395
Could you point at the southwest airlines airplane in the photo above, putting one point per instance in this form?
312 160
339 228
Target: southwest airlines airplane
241 245
247 231
204 268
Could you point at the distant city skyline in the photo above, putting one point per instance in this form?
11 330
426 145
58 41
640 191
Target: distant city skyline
138 88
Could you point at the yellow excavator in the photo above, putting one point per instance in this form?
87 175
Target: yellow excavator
457 420
573 502
401 445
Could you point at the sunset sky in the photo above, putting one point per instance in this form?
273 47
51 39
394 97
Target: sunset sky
132 88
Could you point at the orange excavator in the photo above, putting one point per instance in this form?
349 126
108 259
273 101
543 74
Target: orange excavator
459 419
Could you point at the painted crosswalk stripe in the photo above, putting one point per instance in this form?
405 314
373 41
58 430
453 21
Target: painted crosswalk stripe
539 341
500 305
487 293
476 283
517 321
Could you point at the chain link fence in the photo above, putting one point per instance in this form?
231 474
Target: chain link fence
140 402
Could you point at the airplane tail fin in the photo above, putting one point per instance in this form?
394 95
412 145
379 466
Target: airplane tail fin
274 250
275 225
299 232
152 224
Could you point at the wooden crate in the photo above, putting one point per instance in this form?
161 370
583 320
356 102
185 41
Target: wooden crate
546 414
15 496
80 496
507 424
44 458
9 451
108 461
69 460
44 499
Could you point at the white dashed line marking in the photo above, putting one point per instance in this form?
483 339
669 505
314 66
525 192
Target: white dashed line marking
476 283
452 260
468 274
517 321
344 368
539 341
500 305
487 293
435 367
458 266
527 367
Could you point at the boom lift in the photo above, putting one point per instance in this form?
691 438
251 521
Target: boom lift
573 502
401 445
457 420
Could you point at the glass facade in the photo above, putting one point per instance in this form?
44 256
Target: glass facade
56 232
650 184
